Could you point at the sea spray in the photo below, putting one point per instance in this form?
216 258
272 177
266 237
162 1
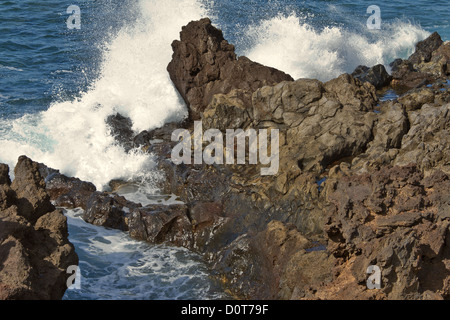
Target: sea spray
132 80
326 53
73 136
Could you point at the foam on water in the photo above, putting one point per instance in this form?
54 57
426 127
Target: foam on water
73 136
291 44
115 267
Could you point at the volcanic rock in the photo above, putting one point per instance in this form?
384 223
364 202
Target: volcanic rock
204 64
34 248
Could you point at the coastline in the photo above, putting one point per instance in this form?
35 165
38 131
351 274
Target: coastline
384 200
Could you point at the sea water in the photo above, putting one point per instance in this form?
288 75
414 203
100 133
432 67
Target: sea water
58 85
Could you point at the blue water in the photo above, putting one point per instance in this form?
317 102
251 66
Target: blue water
42 61
57 86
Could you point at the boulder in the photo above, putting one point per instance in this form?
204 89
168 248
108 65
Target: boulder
425 49
377 75
33 200
34 248
66 191
205 64
392 218
428 63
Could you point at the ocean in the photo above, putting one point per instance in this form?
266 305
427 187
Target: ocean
58 85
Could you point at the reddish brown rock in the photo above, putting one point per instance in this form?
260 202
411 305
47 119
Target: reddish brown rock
34 248
204 64
392 218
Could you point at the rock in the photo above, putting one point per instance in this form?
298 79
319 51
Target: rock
34 248
29 186
353 93
153 223
338 203
318 120
66 191
377 75
391 127
416 98
425 48
426 143
142 139
4 174
427 64
439 65
158 224
121 130
205 64
226 111
390 219
106 210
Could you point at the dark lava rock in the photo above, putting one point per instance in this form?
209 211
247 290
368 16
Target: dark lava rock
121 130
428 63
34 248
66 191
204 64
425 48
376 75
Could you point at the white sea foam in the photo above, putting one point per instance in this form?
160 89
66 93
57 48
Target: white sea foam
289 43
10 68
73 137
113 266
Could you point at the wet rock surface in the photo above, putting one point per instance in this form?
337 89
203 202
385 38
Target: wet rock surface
427 64
34 248
205 64
361 182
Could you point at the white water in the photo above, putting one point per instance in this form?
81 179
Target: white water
290 44
115 267
73 137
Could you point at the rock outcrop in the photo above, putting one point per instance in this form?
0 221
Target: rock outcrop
377 75
361 182
205 64
34 248
398 220
428 63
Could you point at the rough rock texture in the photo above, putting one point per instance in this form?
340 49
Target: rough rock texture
204 64
361 181
398 220
428 63
425 49
152 223
34 248
320 123
377 75
65 191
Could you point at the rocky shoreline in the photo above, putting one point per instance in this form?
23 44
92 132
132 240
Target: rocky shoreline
35 252
361 182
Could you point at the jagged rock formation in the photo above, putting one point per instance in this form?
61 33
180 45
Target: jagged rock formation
205 64
34 248
361 182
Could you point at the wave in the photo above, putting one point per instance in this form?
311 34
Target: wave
326 53
113 266
73 136
10 68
